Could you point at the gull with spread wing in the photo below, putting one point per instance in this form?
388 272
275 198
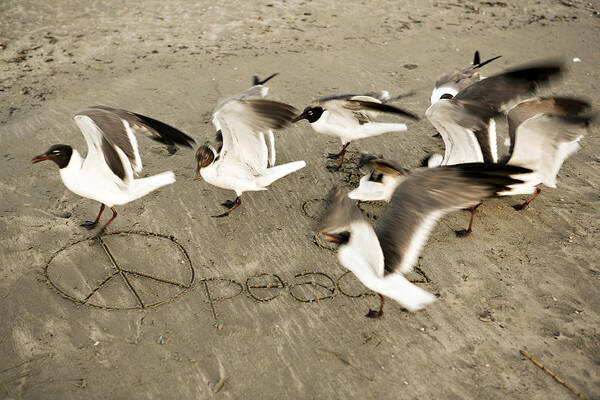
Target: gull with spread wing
242 162
543 131
380 257
467 124
107 173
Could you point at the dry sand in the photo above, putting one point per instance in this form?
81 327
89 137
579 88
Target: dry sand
525 280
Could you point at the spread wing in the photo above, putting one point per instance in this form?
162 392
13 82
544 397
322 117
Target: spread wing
543 105
425 196
463 126
361 108
500 91
109 136
543 142
242 125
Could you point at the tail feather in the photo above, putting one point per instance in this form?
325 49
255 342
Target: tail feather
143 186
270 175
409 295
378 128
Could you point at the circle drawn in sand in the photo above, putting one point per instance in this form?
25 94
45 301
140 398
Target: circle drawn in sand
121 270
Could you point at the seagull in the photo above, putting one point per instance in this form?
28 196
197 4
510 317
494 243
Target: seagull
447 86
242 163
351 117
106 174
466 121
467 125
381 257
544 132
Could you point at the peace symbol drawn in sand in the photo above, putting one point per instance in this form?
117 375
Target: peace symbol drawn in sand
121 270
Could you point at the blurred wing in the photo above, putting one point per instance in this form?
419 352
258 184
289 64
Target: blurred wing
543 105
499 91
108 132
544 141
464 128
425 196
242 123
341 212
372 106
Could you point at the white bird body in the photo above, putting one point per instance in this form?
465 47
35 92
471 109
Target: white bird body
246 156
95 181
236 176
352 117
364 257
347 128
380 257
369 190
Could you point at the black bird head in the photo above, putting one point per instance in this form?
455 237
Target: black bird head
311 114
59 153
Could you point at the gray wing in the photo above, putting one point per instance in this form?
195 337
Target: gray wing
543 105
108 130
425 196
499 91
341 212
242 125
544 141
463 78
365 104
382 96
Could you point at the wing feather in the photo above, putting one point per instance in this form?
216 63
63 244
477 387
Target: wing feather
242 123
425 196
544 141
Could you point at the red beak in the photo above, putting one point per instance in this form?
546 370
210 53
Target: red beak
40 158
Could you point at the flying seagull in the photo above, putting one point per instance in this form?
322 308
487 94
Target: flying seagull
380 257
107 173
242 161
352 117
467 124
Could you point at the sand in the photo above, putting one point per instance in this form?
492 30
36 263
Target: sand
249 306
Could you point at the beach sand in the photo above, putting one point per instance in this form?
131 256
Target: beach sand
250 306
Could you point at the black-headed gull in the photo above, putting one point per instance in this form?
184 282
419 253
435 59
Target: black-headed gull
107 173
352 117
242 164
380 257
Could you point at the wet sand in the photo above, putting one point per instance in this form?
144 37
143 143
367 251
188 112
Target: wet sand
250 306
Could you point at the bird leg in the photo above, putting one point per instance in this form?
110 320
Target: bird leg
101 232
228 203
339 156
520 207
91 224
466 232
232 205
377 314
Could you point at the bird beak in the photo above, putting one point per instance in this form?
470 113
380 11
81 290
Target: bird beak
197 172
333 238
299 117
41 157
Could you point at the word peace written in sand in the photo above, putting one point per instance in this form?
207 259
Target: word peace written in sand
92 272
